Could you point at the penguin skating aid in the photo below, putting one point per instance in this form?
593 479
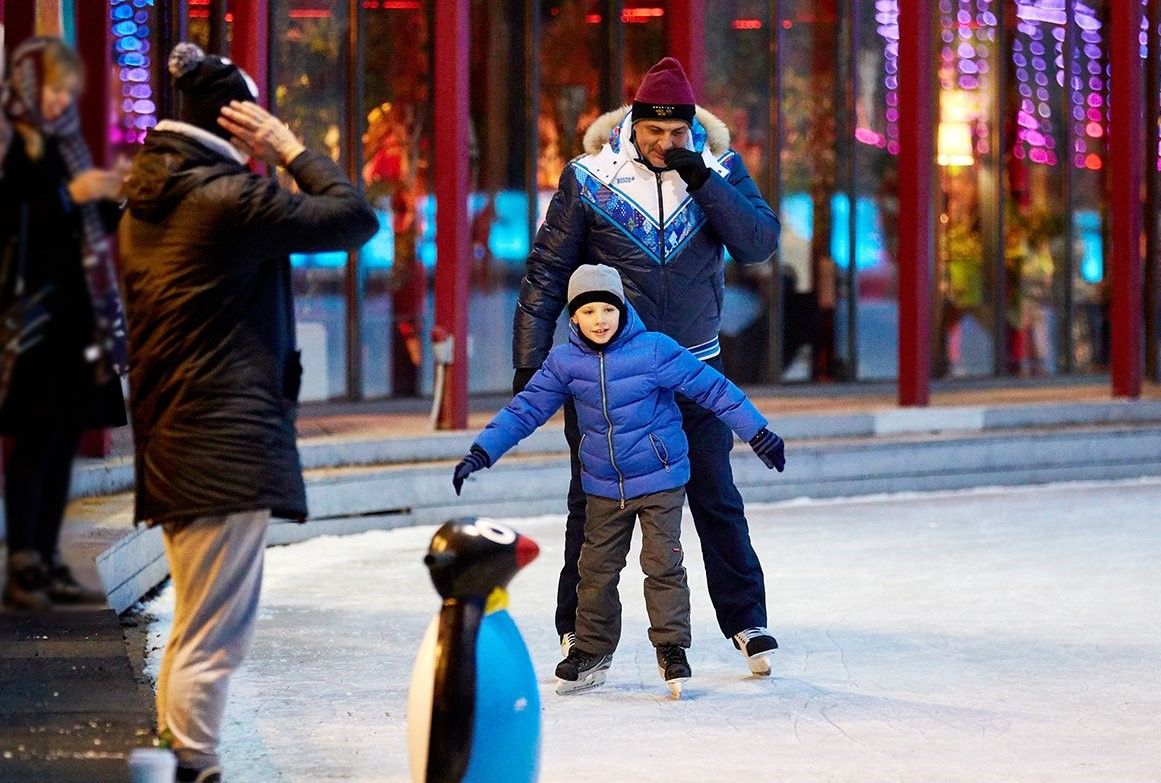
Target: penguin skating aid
474 705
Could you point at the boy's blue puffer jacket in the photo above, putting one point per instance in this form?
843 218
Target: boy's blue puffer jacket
632 443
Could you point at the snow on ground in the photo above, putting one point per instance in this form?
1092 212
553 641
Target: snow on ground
1007 634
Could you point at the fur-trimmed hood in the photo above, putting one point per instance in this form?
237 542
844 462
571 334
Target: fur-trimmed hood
717 133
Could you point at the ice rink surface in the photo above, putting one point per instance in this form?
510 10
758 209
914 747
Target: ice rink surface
987 635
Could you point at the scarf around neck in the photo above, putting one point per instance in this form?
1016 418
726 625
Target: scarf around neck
21 103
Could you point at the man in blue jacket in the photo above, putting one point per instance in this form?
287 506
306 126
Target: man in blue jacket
659 196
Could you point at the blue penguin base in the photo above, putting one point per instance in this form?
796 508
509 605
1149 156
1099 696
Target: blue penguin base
506 734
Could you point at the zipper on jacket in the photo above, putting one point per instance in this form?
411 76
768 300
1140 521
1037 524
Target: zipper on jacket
660 221
609 431
655 442
663 290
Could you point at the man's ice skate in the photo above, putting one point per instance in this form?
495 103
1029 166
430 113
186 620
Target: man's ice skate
567 640
581 671
674 667
756 644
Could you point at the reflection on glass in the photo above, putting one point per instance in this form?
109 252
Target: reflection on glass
644 29
876 186
737 91
571 73
809 71
1089 335
965 325
397 180
308 85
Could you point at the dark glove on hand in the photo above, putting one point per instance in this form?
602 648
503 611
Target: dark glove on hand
521 378
688 165
474 460
770 449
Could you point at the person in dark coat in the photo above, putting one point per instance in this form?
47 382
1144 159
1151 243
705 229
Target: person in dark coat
634 463
215 373
660 196
56 210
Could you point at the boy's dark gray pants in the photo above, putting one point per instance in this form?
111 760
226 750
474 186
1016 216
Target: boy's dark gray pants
608 534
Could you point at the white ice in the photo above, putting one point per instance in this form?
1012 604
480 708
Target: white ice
998 635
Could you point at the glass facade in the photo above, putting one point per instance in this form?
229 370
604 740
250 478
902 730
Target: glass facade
810 92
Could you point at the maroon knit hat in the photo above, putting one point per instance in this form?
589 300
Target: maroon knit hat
664 94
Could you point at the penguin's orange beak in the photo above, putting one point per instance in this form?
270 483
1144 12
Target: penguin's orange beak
526 551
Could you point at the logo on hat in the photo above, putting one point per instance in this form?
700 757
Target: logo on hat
662 111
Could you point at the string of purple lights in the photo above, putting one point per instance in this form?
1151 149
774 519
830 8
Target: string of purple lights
131 48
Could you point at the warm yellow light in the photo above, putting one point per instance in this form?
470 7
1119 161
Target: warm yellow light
954 144
957 110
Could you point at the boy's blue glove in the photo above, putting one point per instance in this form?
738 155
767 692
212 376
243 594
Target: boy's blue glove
689 165
770 449
474 460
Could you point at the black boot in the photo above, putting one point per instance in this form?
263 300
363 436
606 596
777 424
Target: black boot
27 584
63 588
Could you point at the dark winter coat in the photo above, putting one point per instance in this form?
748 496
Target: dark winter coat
632 442
214 374
608 210
52 383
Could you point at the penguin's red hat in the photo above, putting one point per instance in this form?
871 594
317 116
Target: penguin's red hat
664 94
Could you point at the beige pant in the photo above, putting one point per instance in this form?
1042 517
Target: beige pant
216 566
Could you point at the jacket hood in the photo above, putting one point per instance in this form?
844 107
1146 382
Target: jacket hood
717 134
633 326
171 164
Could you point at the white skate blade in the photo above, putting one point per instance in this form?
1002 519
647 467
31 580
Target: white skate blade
591 680
760 664
675 686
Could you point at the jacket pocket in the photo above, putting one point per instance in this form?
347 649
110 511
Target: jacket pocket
660 450
292 376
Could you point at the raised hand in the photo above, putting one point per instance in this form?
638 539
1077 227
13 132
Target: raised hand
689 165
259 133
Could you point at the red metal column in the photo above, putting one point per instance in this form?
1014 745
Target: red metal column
249 48
451 193
916 203
1126 163
685 30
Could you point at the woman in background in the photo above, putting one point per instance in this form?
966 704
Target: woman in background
56 212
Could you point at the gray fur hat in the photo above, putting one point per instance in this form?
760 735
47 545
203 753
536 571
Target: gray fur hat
595 283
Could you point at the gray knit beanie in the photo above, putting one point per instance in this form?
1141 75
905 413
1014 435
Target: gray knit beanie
595 283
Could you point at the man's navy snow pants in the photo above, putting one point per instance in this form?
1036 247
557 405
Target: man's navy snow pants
737 587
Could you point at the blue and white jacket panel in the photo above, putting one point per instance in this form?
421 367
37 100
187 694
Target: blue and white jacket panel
632 442
667 243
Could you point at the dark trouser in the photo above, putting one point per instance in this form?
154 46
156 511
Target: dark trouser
737 587
608 534
37 472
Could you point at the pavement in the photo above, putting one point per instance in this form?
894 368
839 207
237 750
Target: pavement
74 700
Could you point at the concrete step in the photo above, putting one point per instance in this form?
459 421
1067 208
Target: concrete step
109 476
355 499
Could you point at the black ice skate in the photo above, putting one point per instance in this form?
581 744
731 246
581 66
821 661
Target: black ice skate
756 644
581 671
673 666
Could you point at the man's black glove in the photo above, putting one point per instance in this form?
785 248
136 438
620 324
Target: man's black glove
770 449
474 460
521 378
689 165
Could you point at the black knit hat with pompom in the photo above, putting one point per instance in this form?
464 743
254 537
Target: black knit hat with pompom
205 83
